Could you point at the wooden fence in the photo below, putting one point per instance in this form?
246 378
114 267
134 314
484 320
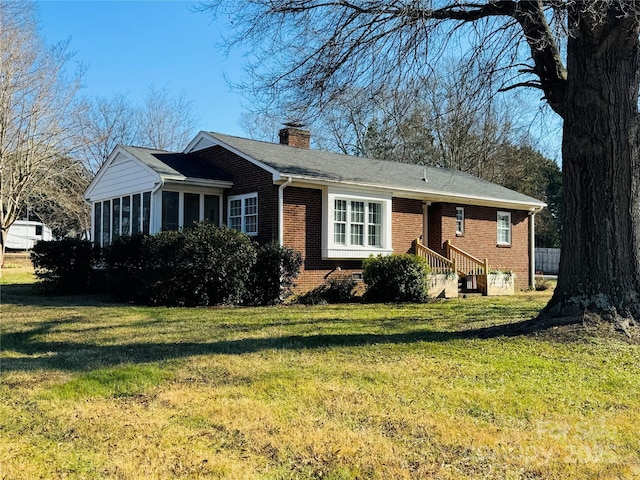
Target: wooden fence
547 260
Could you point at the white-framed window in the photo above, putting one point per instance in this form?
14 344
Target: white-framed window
375 224
340 222
181 209
243 213
356 225
119 216
459 220
504 228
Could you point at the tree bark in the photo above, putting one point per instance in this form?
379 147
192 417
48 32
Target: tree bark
3 245
600 262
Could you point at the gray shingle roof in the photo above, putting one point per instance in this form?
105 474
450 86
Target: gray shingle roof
318 165
178 165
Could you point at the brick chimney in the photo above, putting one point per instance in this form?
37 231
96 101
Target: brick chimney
294 136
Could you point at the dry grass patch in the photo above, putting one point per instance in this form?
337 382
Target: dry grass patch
97 390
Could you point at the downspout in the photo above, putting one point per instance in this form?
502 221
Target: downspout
532 250
425 223
281 210
152 218
93 221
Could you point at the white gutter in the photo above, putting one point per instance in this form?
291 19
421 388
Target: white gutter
425 195
281 210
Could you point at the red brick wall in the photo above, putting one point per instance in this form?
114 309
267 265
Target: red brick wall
248 178
303 224
407 224
303 232
480 237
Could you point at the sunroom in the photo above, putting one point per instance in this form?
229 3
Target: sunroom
140 190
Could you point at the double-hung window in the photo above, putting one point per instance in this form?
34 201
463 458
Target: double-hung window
340 222
504 228
243 213
375 224
459 220
356 226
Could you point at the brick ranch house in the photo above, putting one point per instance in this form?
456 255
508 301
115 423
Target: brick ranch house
334 209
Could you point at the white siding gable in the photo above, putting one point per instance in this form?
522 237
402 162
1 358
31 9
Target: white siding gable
121 176
200 142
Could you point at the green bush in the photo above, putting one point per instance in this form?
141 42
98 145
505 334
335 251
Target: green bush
395 278
338 289
216 264
126 265
273 274
65 266
202 265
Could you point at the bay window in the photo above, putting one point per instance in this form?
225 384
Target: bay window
357 226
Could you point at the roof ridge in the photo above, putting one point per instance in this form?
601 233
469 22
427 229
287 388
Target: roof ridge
149 148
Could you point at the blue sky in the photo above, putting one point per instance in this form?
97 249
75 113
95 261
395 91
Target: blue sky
129 45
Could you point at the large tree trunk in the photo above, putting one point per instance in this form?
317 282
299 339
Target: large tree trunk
600 262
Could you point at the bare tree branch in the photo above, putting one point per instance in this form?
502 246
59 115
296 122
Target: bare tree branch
38 113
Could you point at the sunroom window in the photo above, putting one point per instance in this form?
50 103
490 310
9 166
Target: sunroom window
182 209
125 215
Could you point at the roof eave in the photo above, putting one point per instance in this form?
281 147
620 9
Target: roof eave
215 141
200 182
426 195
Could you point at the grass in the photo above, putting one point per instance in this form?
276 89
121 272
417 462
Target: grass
91 389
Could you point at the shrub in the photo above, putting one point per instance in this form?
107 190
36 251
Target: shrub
202 265
395 278
216 264
338 289
126 267
542 285
65 266
273 274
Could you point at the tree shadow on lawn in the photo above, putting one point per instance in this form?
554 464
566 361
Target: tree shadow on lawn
29 294
74 356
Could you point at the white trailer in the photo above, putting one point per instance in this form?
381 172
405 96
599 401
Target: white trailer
24 234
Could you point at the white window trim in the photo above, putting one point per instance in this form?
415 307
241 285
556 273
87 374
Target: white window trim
96 223
181 194
460 231
332 250
498 230
243 198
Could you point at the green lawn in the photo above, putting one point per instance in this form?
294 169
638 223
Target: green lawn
97 390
